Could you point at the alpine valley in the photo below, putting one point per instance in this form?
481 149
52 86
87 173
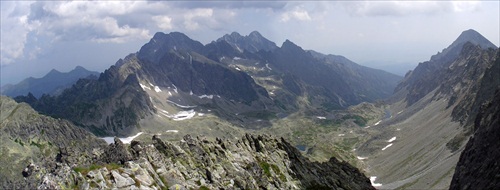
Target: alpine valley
243 113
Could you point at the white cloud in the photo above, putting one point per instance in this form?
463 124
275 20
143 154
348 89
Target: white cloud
193 18
297 13
406 8
163 22
14 30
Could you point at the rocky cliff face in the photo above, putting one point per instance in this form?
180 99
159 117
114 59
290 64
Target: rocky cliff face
478 165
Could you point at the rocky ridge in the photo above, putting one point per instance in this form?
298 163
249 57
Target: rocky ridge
478 165
254 162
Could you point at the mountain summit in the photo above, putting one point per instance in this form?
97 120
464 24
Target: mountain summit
254 42
472 36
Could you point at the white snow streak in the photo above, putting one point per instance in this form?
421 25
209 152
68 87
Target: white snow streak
378 122
391 140
172 131
372 180
157 89
389 145
126 140
361 158
206 96
321 117
178 105
144 87
183 115
267 66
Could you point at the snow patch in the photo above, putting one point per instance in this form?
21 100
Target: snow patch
341 135
175 88
183 115
238 69
237 58
378 122
178 105
398 129
201 114
389 145
361 158
157 89
372 180
191 92
144 87
399 112
172 131
126 140
267 66
321 117
239 49
391 140
367 127
206 96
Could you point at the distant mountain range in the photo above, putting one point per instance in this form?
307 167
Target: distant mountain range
246 75
53 83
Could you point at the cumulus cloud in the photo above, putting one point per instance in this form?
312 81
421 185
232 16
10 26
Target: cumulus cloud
163 22
81 20
297 13
274 5
14 32
406 8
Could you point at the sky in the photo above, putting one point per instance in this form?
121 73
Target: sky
37 37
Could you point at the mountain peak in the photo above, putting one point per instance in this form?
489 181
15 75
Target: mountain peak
79 68
253 42
53 72
289 44
162 43
453 50
474 37
255 34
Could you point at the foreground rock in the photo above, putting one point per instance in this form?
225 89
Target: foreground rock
254 162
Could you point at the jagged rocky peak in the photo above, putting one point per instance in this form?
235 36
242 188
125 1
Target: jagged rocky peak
162 43
474 37
289 45
452 51
253 42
